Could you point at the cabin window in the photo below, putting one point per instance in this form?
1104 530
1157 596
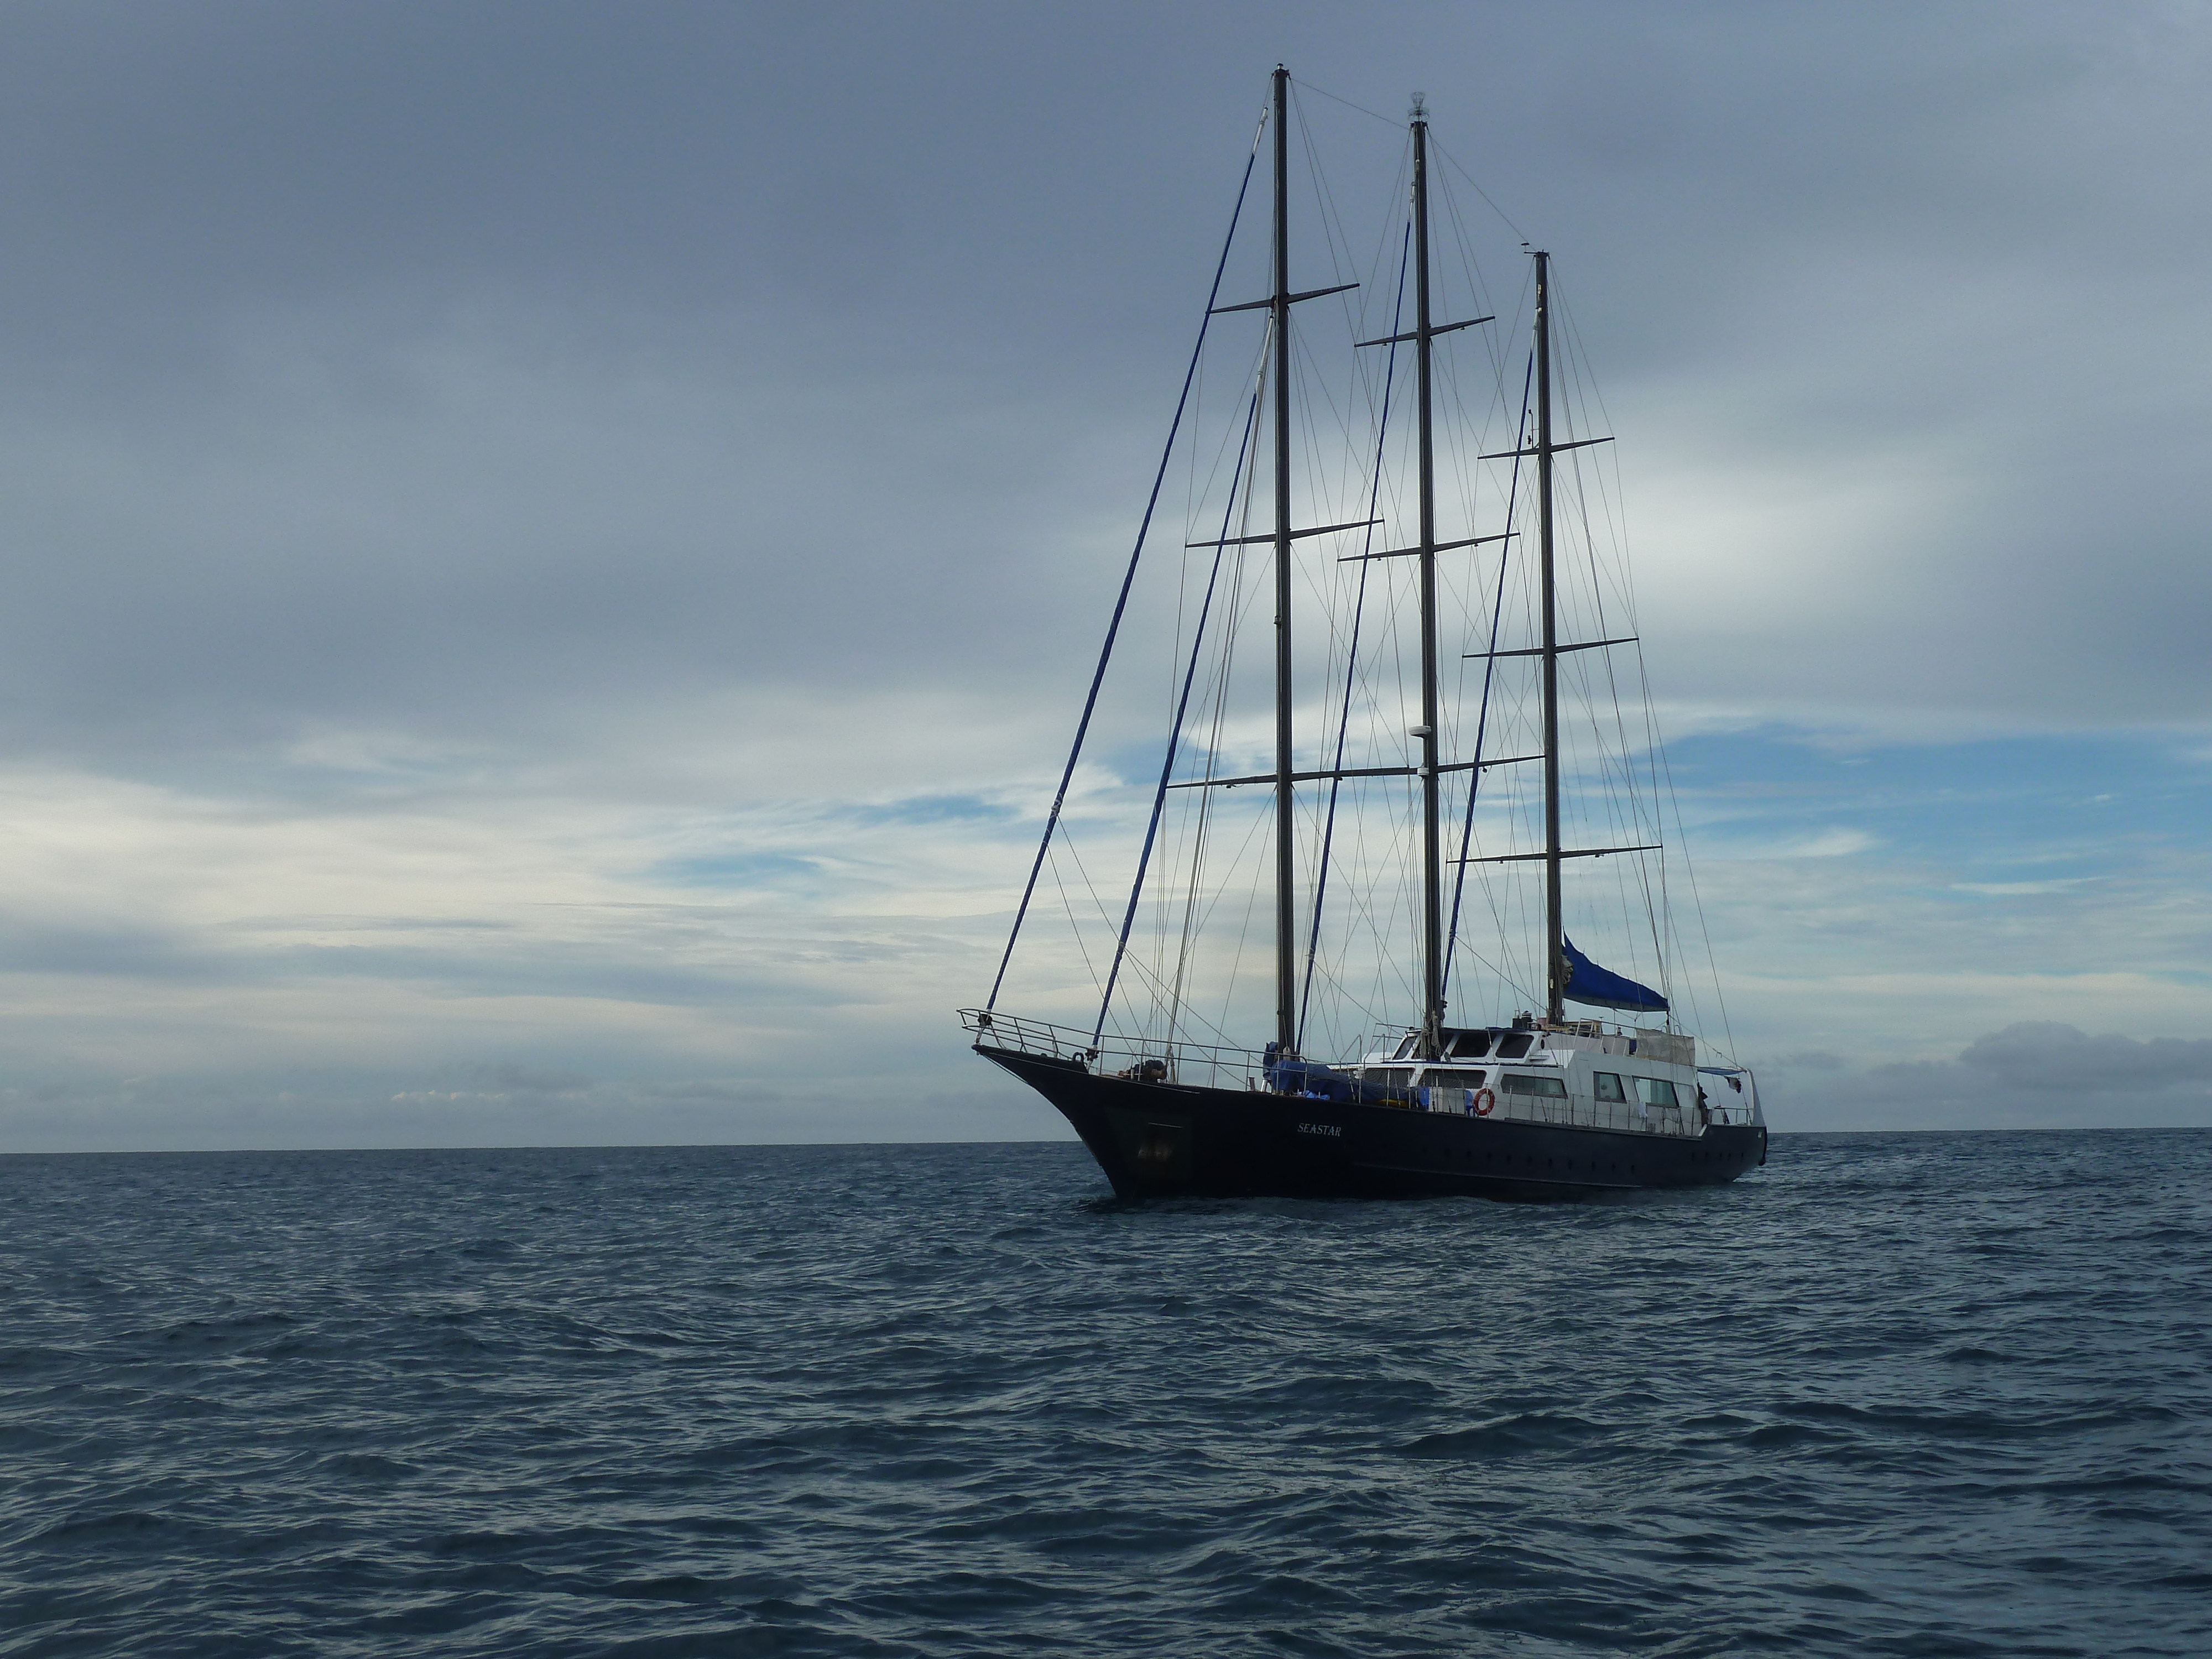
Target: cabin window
1515 1045
1515 1084
1608 1086
1405 1048
1470 1045
1392 1075
1655 1091
1441 1079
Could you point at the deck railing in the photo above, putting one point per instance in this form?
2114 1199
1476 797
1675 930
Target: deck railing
1218 1066
1575 1112
1208 1065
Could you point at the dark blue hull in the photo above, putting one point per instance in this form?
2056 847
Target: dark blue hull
1157 1139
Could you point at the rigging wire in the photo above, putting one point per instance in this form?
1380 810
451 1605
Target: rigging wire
1120 605
1453 163
1578 391
1174 732
1182 588
1489 672
1360 108
1352 653
1659 915
1074 928
1204 811
1355 901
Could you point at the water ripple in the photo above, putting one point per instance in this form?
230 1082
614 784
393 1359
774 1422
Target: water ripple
1892 1396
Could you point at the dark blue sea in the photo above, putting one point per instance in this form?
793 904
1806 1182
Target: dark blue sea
1924 1395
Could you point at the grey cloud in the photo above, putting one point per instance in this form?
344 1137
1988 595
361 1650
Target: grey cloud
509 1078
674 957
524 968
109 949
481 960
1812 1060
705 1091
2043 1054
2036 1074
475 371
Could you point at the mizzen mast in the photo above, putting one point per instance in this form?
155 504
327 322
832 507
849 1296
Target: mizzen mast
1557 971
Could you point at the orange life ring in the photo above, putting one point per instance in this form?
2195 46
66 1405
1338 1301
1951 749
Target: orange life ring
1484 1100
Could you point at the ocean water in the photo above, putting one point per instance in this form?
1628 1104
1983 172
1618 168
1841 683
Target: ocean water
1898 1394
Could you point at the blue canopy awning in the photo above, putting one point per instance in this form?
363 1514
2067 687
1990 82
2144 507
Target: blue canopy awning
1600 987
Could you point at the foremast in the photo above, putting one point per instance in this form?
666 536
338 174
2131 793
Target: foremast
1432 886
1555 954
1287 1016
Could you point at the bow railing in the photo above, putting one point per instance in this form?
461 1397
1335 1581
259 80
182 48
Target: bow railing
1208 1065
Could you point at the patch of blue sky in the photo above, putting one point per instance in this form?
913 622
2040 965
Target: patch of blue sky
930 808
2038 821
1139 762
747 870
2072 805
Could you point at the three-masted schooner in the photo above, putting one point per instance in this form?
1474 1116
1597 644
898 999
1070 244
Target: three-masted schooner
1535 1107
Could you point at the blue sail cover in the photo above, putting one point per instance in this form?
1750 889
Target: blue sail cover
1600 987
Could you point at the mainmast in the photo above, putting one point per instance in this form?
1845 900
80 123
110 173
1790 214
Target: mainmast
1432 940
1554 928
1286 816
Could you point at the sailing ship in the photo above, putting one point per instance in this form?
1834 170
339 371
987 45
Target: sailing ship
1530 1106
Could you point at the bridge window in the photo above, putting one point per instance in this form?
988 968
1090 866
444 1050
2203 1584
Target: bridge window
1554 1087
1440 1079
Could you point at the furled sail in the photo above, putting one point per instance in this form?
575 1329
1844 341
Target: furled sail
1600 987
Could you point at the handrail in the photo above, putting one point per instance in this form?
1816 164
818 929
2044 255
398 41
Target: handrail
1214 1064
1218 1066
1580 1112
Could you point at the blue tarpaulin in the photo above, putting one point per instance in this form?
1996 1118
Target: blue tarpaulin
1600 987
1316 1081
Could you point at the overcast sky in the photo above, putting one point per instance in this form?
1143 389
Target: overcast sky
553 550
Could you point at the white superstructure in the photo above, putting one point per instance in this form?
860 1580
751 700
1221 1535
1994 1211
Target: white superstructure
1577 1076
